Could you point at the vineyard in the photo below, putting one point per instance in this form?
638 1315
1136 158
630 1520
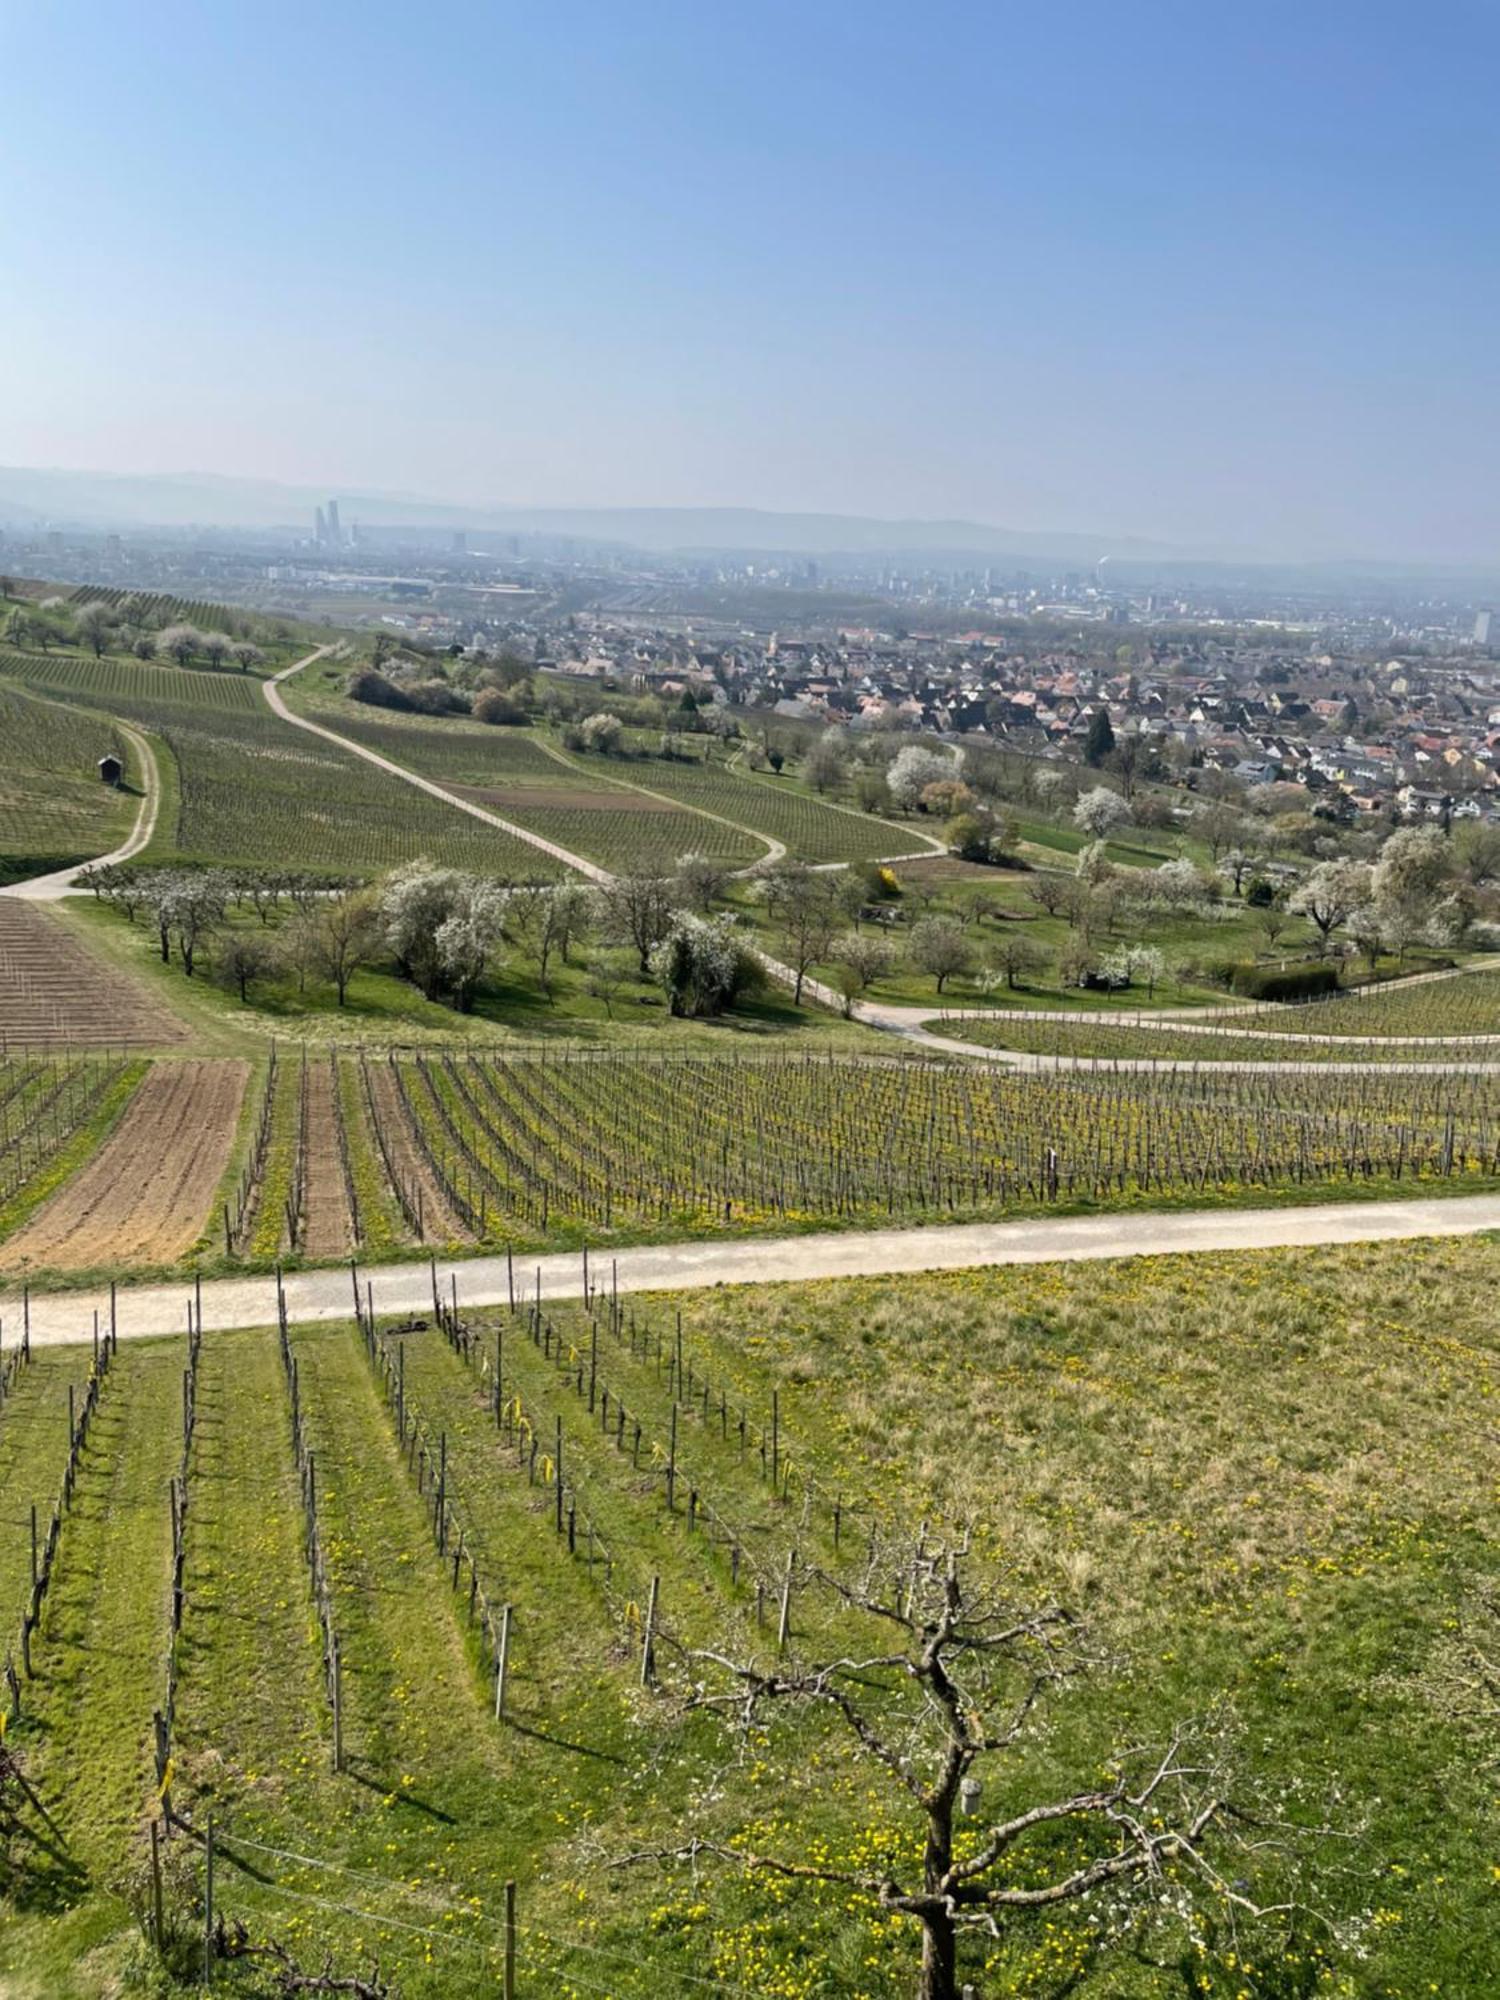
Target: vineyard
51 1109
1467 1004
603 818
252 789
53 808
612 1142
805 826
145 1195
156 605
342 1151
137 688
583 811
55 994
1104 1042
391 1615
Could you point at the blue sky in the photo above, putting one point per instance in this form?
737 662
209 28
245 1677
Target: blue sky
1221 275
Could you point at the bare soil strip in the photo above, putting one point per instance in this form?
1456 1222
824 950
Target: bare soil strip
439 1223
144 1196
55 993
326 1230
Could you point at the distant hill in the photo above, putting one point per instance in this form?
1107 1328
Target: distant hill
29 496
32 497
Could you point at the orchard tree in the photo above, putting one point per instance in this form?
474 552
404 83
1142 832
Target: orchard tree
823 766
939 947
1013 956
704 964
699 882
180 643
1100 813
603 733
467 938
94 624
1331 894
916 767
343 936
937 1701
637 911
860 958
807 907
1220 826
241 958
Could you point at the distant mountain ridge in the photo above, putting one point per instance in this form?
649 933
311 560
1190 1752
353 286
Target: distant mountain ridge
29 495
33 496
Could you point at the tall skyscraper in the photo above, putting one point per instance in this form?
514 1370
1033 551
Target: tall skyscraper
335 533
320 527
1484 629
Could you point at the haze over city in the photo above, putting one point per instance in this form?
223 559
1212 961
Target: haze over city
1221 281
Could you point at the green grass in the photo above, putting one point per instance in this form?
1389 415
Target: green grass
102 1649
1263 1479
510 1006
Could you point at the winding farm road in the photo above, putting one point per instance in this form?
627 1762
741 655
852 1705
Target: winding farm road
64 881
314 1296
272 692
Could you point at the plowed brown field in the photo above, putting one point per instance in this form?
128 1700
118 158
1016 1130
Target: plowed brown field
326 1228
144 1196
54 993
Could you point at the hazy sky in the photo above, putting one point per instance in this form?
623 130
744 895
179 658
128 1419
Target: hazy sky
1222 273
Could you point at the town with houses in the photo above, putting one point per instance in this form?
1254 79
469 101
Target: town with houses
1379 698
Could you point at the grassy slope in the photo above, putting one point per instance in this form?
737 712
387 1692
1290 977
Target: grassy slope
1267 1479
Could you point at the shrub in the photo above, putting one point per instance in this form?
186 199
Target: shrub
1291 982
435 697
494 705
364 684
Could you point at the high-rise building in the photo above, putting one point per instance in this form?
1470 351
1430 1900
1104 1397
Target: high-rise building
1484 629
320 527
335 533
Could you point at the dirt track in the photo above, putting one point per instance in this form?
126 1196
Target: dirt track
144 1196
439 1223
326 1231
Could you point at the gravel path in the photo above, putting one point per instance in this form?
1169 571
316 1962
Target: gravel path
482 1281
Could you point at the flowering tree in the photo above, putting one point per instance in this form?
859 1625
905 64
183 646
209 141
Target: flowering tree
1100 812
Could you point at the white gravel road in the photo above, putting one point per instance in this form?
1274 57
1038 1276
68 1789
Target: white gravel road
484 1281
